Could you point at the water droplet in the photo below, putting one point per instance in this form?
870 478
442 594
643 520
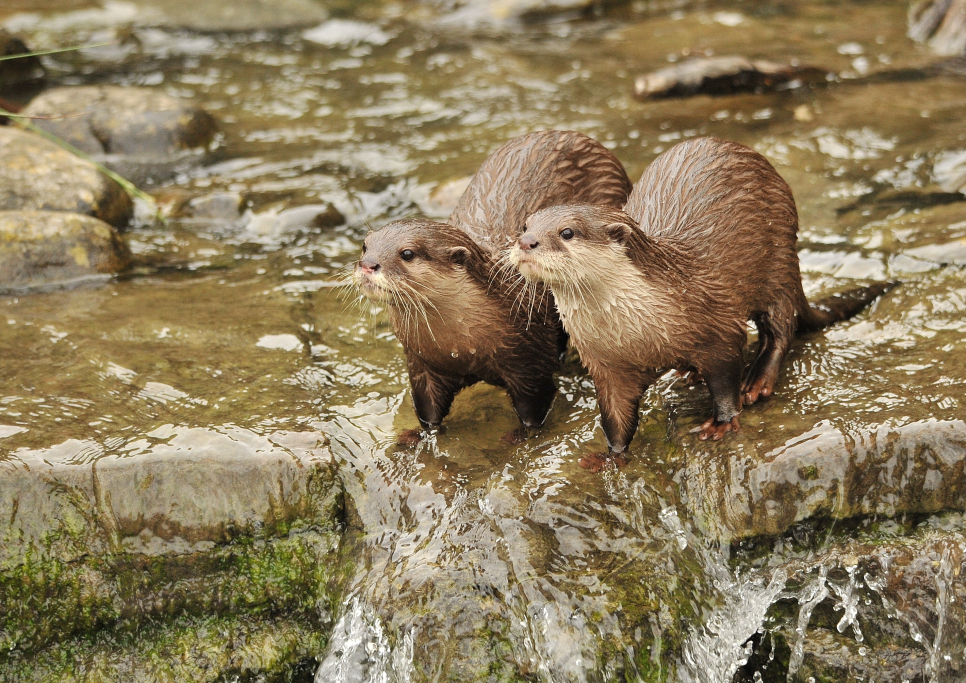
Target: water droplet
455 354
472 352
862 652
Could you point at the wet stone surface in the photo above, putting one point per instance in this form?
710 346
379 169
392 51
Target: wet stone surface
199 522
138 132
38 175
464 557
44 248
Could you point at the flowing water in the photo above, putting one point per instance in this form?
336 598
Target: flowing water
481 560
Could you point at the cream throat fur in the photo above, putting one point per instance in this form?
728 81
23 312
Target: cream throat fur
608 308
446 319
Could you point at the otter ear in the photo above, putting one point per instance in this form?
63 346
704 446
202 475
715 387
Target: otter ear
459 255
618 232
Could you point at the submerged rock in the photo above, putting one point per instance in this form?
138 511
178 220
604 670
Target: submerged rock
139 132
224 206
36 174
723 76
40 248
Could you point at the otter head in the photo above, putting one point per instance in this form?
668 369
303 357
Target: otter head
412 261
571 243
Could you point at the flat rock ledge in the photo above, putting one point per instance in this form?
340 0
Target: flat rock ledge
827 473
203 552
36 174
44 248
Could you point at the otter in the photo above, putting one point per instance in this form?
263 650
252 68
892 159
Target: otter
705 243
459 319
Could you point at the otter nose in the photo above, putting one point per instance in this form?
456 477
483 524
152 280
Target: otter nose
368 267
528 242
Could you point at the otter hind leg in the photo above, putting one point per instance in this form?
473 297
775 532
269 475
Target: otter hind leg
724 382
775 334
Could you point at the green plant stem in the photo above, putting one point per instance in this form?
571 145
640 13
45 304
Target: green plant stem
125 184
53 52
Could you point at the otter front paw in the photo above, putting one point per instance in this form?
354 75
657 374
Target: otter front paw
712 429
409 438
517 436
595 462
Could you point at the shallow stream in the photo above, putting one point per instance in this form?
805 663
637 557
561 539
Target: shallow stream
479 560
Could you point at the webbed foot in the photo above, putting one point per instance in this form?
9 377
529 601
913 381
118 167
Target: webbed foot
410 437
595 462
712 429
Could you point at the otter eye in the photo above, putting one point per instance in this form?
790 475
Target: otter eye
407 254
567 233
364 248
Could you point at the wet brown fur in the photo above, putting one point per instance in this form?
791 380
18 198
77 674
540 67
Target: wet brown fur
705 243
459 317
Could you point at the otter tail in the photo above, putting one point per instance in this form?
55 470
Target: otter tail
838 307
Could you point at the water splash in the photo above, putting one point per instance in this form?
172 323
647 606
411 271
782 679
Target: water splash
360 650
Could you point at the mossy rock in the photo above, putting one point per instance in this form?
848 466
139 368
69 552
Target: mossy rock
39 248
36 174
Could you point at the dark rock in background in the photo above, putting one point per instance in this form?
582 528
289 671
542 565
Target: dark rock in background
723 76
37 174
17 73
40 248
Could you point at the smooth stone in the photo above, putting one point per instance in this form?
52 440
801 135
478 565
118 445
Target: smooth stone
272 224
133 122
36 174
40 248
723 76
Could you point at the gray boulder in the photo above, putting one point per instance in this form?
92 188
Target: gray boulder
36 174
49 247
139 132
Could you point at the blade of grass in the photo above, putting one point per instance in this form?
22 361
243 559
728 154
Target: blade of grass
125 184
53 52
